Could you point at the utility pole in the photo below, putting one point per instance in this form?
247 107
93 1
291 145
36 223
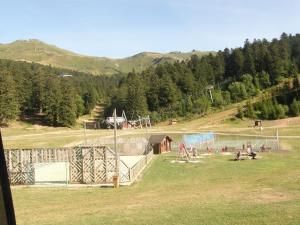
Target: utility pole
116 177
115 142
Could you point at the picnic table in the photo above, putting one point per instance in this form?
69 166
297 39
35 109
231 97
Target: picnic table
244 155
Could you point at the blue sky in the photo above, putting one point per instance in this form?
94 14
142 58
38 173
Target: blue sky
120 28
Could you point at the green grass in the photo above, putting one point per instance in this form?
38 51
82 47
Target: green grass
216 191
24 135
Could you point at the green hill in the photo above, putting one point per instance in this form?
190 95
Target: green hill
33 50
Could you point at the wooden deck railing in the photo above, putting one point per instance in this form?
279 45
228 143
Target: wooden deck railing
136 170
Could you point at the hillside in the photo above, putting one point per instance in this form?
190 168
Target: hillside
37 51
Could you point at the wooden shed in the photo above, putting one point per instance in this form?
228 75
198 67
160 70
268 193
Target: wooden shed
258 123
161 143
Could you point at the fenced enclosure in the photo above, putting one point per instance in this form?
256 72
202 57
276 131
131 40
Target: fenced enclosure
95 163
238 142
126 145
199 141
218 142
75 165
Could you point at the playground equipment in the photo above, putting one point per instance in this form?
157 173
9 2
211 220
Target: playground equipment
200 142
191 143
122 122
182 153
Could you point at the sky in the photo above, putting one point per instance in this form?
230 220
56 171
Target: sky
120 28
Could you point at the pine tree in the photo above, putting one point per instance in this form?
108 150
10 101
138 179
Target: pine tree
38 91
168 93
186 83
276 64
79 105
153 92
249 86
67 107
90 98
264 110
237 62
218 65
264 79
249 66
9 107
136 101
52 100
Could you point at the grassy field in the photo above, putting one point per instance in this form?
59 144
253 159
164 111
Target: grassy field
215 191
23 135
40 52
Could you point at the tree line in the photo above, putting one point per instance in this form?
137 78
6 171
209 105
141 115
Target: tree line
30 89
166 91
180 89
275 105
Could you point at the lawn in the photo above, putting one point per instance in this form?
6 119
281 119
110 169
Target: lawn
24 136
215 191
33 136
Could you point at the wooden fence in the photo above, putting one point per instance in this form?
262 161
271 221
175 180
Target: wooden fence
86 165
140 166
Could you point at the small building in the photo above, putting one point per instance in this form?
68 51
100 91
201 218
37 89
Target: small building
160 143
258 123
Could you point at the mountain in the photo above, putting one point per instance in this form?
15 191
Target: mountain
34 50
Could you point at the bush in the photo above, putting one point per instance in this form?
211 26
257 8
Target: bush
201 105
238 91
155 117
280 111
295 108
250 113
240 113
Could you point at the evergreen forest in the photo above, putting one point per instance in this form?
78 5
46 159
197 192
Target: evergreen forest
164 91
181 89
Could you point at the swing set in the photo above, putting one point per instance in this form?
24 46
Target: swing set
195 143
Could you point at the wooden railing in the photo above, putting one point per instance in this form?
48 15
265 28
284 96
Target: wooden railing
86 164
136 170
